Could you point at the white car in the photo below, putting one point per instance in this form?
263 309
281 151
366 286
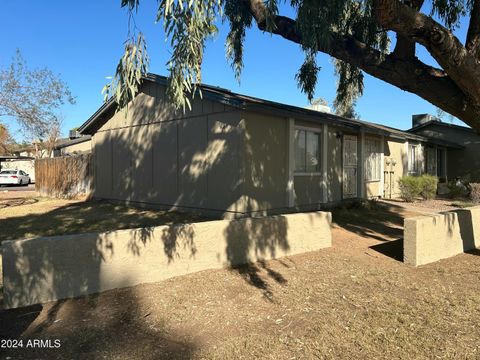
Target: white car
14 177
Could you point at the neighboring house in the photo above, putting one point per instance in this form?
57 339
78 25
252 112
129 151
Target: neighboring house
24 156
37 151
234 155
456 163
73 146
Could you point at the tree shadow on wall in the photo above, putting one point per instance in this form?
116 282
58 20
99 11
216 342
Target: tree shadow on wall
43 269
187 174
194 163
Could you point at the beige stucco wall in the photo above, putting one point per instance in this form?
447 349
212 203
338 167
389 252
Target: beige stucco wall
80 148
45 269
434 237
394 150
373 189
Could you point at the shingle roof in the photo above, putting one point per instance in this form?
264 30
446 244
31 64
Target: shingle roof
251 103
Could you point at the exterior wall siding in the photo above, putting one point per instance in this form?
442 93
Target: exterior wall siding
155 155
222 160
265 154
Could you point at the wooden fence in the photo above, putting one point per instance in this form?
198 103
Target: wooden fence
64 177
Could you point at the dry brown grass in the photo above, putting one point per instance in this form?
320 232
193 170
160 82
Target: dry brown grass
26 217
352 301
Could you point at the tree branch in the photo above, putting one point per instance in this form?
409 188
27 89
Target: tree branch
411 75
472 42
405 47
445 48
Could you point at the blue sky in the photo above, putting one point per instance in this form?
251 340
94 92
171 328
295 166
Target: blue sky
82 41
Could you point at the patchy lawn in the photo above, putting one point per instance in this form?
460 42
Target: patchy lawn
352 301
26 217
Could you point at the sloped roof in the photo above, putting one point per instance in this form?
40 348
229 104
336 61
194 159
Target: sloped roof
68 142
440 123
15 157
245 102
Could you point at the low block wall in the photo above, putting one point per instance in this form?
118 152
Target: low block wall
51 268
434 237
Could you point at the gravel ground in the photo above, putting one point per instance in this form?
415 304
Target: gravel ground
427 206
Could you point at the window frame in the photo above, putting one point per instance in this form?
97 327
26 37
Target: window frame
416 161
378 160
317 131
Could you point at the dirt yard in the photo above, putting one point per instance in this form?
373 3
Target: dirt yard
31 216
355 300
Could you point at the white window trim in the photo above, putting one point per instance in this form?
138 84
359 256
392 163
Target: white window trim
315 130
379 154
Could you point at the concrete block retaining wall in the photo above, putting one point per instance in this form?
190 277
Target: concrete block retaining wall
434 237
51 268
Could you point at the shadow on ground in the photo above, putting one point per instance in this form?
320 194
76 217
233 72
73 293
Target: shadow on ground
379 221
392 249
252 274
114 325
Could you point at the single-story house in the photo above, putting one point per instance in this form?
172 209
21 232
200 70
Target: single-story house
73 146
236 155
462 163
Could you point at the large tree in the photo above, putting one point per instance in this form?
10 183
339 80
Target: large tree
32 98
6 141
356 33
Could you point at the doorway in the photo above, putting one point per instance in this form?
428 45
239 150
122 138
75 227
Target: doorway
350 164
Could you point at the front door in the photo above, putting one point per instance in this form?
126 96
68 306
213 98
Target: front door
349 166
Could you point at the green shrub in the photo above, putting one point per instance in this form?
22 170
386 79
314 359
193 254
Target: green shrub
456 191
410 188
428 186
475 192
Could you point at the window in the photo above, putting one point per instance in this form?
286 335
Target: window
413 159
431 160
372 160
307 151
